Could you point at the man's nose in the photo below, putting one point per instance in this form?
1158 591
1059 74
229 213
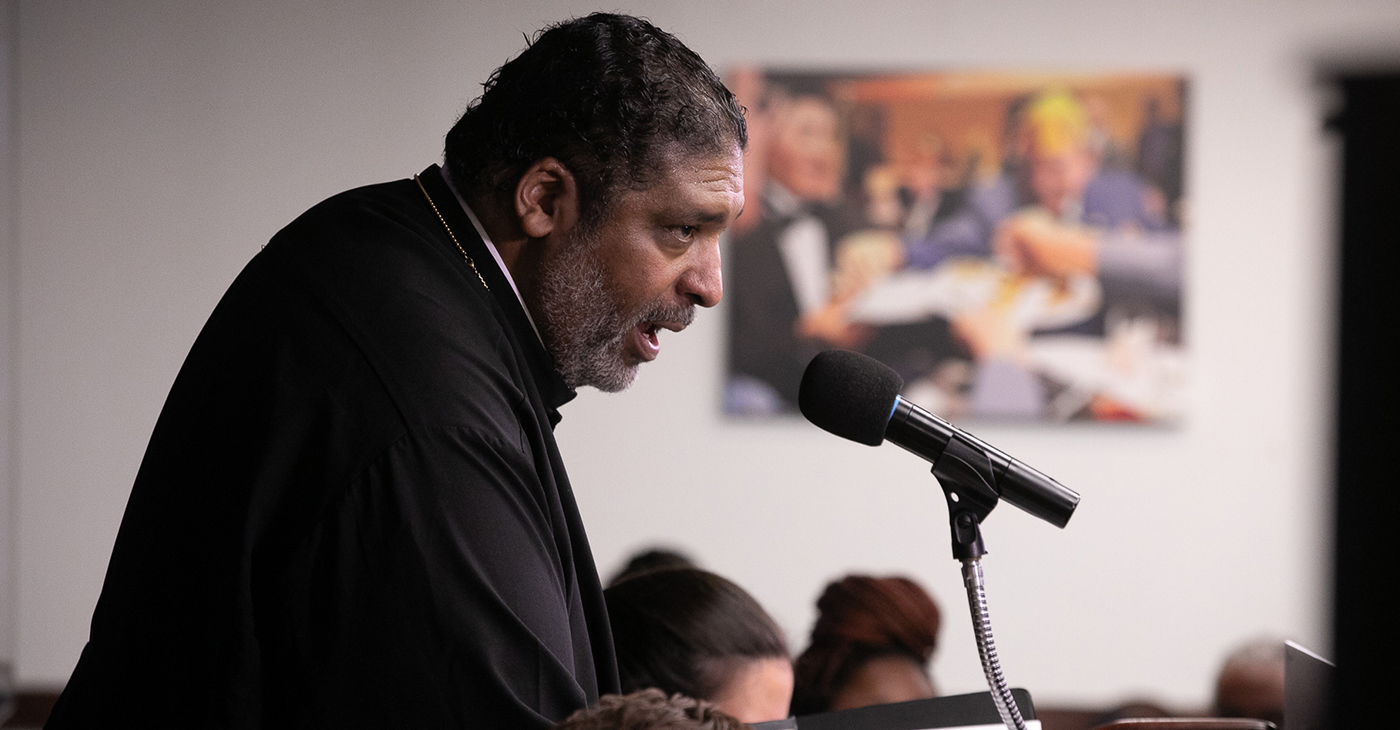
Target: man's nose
703 282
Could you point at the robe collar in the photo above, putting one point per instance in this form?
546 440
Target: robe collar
490 246
550 383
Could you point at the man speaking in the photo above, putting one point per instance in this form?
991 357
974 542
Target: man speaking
352 512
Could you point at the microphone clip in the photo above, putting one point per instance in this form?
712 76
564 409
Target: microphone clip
967 476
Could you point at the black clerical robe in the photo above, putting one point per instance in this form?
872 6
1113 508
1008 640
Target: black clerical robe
352 512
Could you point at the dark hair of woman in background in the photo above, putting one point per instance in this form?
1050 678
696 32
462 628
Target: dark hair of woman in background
871 645
689 631
654 558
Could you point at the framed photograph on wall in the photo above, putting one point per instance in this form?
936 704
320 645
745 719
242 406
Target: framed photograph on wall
1010 243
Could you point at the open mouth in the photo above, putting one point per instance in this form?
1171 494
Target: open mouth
648 336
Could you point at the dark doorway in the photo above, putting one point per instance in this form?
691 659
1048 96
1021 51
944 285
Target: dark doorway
1368 402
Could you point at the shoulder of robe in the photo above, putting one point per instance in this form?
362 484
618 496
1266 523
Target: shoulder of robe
378 259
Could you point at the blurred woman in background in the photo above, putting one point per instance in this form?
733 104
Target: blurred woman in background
689 631
871 645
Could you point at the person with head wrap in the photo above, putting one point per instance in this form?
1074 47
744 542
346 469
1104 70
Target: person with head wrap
871 645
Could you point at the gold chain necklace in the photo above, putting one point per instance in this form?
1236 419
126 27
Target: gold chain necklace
450 234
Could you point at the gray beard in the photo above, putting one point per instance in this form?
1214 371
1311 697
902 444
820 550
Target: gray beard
583 325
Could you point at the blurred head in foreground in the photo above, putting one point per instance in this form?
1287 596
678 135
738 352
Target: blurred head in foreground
650 709
691 632
871 645
1251 682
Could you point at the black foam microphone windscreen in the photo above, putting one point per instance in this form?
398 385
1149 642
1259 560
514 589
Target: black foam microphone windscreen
850 395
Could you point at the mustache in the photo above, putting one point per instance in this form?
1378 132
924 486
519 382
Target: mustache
682 314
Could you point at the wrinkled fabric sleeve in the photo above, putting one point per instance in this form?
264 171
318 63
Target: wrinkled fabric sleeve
434 594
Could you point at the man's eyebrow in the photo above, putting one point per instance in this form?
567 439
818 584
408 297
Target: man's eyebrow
710 216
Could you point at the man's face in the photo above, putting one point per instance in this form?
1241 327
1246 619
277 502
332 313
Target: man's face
806 152
608 291
1060 178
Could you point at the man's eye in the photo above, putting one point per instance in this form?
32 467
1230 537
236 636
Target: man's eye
685 233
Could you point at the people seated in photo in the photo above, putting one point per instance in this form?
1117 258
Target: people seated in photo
1058 177
692 632
650 709
1250 683
871 645
954 271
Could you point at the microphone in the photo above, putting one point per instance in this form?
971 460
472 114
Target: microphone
857 397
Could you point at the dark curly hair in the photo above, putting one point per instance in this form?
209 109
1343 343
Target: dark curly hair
650 709
861 618
687 631
609 96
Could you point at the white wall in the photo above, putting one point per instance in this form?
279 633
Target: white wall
162 143
8 331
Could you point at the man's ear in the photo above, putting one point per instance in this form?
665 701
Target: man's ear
546 199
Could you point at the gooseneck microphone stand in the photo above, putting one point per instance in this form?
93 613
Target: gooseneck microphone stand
857 397
966 476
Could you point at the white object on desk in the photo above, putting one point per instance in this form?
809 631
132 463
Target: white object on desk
966 285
